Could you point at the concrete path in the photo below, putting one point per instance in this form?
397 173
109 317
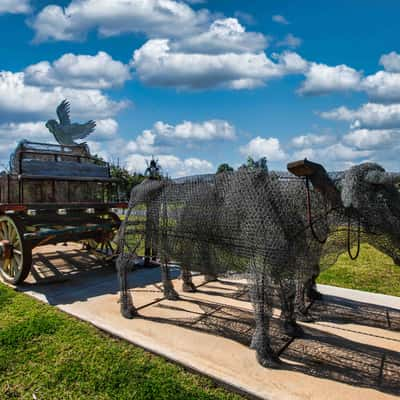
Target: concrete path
352 352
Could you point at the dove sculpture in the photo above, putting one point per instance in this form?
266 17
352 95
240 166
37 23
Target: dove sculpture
64 131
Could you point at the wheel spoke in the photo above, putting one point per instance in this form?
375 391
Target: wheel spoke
2 232
16 243
13 266
6 234
13 233
17 252
6 265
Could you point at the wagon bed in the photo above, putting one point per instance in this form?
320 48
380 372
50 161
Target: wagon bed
52 194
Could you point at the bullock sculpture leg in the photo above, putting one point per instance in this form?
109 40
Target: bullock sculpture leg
127 308
288 316
262 304
187 283
302 287
207 260
312 292
168 287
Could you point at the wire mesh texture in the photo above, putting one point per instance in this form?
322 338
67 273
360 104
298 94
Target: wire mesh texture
277 229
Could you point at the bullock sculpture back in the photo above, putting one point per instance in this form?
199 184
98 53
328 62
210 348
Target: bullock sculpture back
277 228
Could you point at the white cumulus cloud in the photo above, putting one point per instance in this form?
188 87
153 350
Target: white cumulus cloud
383 87
371 138
15 6
188 130
332 154
19 100
223 36
155 18
324 79
171 165
264 147
157 64
369 116
391 62
100 71
311 140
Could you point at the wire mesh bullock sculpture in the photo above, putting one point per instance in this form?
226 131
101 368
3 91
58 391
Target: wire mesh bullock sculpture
277 228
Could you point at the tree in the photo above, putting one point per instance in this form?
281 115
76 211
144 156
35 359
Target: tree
127 180
261 163
224 168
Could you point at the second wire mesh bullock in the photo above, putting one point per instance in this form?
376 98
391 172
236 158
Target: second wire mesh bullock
277 228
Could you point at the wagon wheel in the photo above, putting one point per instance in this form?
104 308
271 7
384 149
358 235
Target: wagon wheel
15 251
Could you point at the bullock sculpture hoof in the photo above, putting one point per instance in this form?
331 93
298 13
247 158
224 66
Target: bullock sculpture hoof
269 361
304 316
315 295
188 287
171 294
292 329
128 312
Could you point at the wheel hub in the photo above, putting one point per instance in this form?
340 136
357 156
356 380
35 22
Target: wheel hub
5 249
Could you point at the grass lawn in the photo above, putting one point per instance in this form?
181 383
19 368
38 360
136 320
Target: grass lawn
46 353
372 272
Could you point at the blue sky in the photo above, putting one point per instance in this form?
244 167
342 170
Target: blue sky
196 83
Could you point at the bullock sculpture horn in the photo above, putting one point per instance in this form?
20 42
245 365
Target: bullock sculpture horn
318 177
382 178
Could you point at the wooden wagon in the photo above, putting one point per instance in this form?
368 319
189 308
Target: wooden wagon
52 194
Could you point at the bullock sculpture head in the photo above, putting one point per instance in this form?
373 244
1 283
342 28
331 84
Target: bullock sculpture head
365 191
372 193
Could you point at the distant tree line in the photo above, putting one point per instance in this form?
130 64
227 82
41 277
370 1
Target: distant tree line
250 164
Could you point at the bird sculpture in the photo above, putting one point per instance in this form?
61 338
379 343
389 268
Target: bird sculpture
64 132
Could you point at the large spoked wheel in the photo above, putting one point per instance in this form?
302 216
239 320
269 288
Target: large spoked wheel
15 252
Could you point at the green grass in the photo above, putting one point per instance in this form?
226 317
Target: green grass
46 353
371 272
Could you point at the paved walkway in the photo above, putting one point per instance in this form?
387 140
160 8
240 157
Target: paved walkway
352 352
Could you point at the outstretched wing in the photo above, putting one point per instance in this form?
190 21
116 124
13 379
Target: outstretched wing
63 112
80 131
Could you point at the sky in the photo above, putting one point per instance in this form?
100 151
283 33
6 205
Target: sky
198 83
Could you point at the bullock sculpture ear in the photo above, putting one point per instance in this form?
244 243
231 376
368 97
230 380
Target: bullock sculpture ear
318 177
378 177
